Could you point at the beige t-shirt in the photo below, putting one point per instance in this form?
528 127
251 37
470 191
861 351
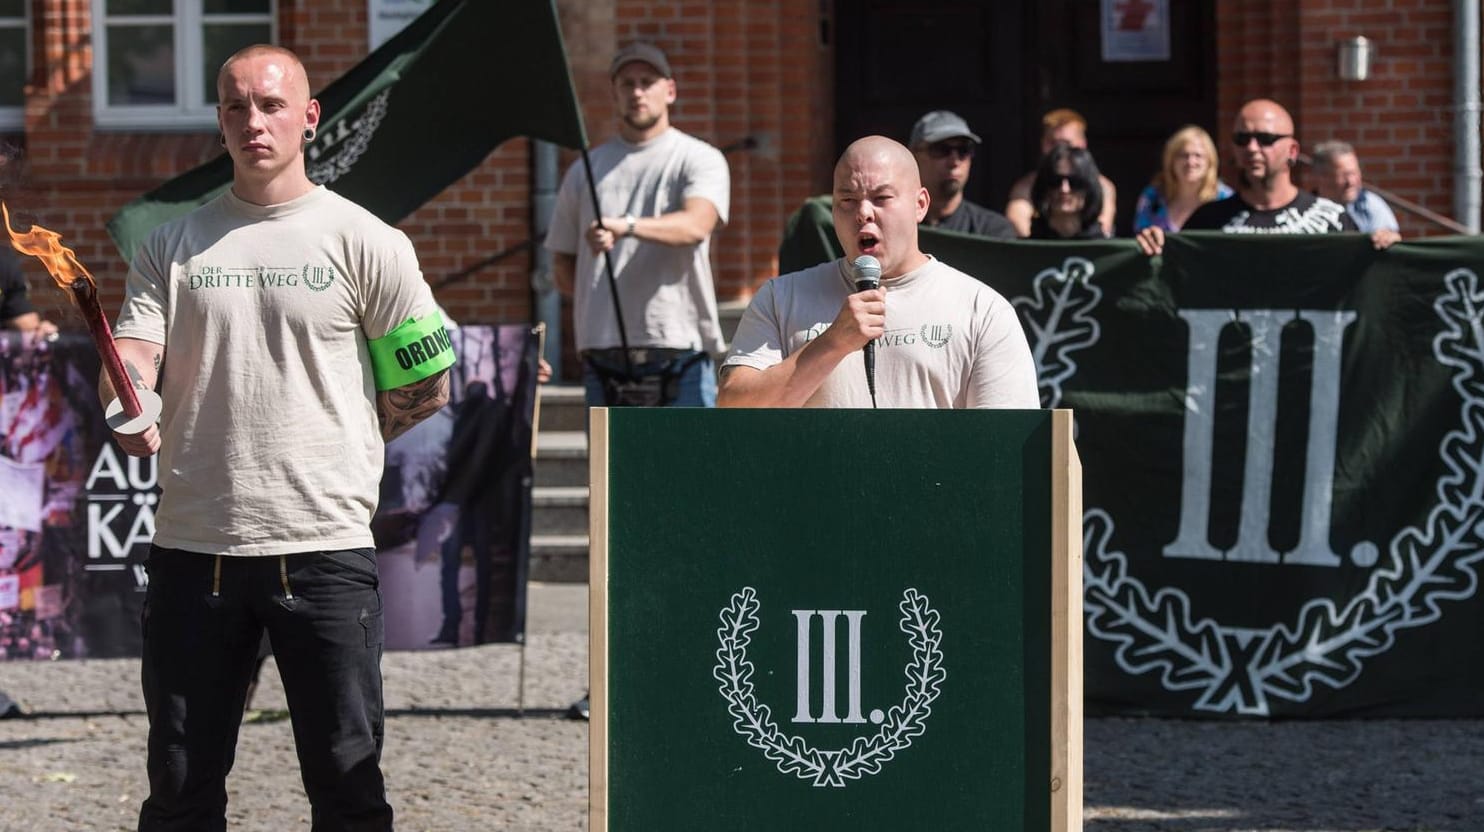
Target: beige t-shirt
269 436
950 341
667 294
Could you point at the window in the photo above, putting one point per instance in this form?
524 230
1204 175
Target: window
15 44
155 61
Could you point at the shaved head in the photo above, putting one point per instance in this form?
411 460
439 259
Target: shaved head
295 80
879 149
266 118
1264 170
878 202
1265 115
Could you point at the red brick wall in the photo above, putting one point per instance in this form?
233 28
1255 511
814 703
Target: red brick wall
753 69
1399 119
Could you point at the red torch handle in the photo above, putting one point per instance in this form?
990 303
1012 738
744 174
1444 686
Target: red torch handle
87 301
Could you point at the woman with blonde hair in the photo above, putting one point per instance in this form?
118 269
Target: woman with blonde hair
1186 181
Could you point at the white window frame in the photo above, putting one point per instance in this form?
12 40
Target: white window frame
190 110
12 118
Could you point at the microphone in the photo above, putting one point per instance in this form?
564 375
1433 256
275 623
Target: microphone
868 276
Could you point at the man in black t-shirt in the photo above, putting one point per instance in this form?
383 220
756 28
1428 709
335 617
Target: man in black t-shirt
1304 214
16 311
1264 151
944 147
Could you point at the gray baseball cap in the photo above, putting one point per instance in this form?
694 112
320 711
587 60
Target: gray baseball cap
939 125
641 51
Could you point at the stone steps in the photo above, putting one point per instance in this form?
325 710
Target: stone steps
559 496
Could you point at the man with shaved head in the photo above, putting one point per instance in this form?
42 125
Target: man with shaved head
943 339
1264 151
289 333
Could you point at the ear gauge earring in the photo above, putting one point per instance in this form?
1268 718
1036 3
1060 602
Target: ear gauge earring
221 139
308 135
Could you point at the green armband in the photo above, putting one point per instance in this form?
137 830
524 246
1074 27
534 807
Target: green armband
416 349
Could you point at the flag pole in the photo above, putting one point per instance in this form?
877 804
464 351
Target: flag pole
623 335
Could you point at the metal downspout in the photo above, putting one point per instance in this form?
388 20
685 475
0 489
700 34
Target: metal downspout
546 303
1466 155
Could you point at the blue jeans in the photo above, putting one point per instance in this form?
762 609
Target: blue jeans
697 383
204 618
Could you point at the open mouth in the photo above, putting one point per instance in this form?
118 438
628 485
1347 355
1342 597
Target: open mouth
868 243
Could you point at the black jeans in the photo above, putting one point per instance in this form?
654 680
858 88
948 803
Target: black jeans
203 619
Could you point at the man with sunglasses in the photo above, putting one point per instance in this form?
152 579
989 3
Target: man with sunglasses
944 147
1264 151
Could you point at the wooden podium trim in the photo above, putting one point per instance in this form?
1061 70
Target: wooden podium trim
1066 626
597 622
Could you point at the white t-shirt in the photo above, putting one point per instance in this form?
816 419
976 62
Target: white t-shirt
269 437
950 341
667 294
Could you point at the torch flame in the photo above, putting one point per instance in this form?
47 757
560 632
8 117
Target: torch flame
46 246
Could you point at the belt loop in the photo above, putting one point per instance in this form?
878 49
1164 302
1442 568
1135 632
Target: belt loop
283 577
216 578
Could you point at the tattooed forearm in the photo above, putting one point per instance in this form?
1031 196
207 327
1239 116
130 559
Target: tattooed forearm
142 361
401 408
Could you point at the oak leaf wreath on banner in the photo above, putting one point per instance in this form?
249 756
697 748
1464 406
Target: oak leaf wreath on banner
343 158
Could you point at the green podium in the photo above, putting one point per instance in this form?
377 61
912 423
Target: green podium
819 620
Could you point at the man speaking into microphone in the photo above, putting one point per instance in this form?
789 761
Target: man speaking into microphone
941 338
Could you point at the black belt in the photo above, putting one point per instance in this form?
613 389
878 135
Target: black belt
614 356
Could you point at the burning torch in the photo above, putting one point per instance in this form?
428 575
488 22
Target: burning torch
134 409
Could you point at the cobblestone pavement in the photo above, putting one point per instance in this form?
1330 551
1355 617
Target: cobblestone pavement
458 756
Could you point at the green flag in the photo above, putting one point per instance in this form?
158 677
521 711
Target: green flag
415 115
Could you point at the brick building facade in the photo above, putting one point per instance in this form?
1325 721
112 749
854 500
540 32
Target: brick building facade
757 78
1400 119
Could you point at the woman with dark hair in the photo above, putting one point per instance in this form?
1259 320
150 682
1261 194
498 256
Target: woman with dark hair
1067 196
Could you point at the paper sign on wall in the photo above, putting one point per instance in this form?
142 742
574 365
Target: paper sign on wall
1136 30
388 17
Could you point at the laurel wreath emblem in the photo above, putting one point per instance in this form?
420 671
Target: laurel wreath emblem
865 755
1244 669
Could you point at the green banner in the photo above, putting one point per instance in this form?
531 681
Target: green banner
1283 452
415 115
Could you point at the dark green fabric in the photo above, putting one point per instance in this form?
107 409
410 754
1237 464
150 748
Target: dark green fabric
463 77
1390 625
708 562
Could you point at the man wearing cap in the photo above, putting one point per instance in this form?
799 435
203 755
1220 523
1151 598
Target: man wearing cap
661 194
944 147
16 311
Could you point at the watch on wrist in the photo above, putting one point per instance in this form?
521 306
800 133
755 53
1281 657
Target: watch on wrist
630 219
